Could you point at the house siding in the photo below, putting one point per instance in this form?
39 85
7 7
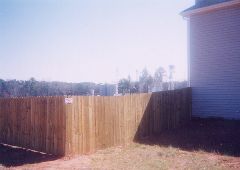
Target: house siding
215 63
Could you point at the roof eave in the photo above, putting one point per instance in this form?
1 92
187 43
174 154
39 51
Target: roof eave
188 13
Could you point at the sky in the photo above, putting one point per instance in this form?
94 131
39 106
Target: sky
91 40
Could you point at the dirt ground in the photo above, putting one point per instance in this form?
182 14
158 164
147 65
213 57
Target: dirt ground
203 144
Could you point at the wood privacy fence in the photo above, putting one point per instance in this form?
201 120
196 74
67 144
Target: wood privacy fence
90 123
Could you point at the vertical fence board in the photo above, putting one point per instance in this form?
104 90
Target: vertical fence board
90 123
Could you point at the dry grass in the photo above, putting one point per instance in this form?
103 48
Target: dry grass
141 157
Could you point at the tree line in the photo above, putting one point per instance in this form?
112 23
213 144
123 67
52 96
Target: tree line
32 87
159 81
145 83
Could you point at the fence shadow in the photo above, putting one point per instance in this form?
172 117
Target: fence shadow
210 135
165 110
11 156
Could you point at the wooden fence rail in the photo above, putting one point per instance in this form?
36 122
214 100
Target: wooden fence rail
90 123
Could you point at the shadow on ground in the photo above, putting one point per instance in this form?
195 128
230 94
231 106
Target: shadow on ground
210 135
15 156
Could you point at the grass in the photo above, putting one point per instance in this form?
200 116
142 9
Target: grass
151 157
141 157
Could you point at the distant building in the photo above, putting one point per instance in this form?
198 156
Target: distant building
107 89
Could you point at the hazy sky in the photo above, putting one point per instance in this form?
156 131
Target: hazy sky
87 40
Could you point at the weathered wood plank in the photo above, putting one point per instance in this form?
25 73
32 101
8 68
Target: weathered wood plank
90 123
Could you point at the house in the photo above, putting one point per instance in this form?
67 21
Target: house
214 57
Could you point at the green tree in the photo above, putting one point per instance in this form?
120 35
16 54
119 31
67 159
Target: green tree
124 86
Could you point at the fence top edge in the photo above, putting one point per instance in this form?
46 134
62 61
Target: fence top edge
65 96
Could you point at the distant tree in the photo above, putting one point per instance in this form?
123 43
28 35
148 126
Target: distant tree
180 84
97 89
158 79
11 88
32 87
43 89
134 87
2 87
145 81
124 86
159 74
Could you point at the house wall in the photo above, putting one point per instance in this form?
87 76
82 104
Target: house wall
215 63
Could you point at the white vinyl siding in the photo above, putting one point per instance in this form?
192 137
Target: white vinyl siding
215 63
